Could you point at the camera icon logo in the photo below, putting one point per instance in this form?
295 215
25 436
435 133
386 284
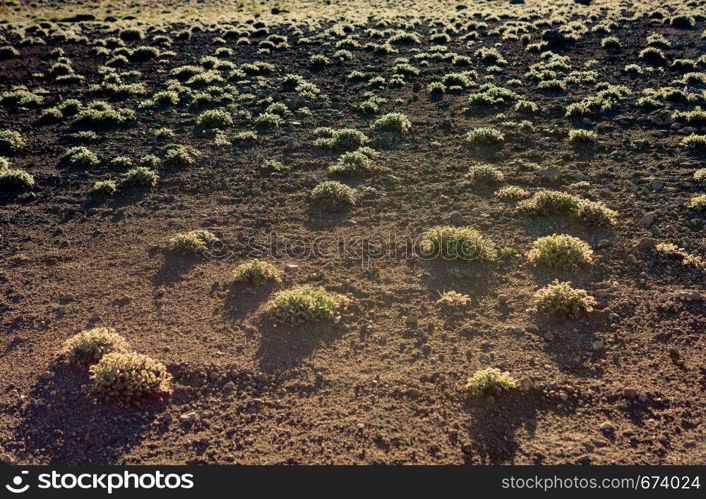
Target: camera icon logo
16 487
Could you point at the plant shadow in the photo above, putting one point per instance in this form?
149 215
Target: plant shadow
495 426
284 347
68 427
174 267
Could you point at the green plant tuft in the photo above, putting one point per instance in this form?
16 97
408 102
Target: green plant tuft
561 251
559 298
129 377
88 347
462 243
305 304
489 383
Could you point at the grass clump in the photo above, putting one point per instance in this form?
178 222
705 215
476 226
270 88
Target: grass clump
490 95
526 107
88 347
485 137
11 141
50 115
333 196
269 120
700 176
581 137
8 52
105 187
489 383
102 115
559 298
611 43
458 243
350 163
193 242
682 22
304 304
214 118
80 156
179 155
695 142
673 251
484 174
545 203
453 299
695 117
512 193
393 122
20 98
436 89
140 176
561 251
128 377
698 202
257 272
653 55
13 179
344 139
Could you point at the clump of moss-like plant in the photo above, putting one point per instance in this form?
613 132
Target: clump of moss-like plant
193 242
485 137
257 272
489 383
546 203
561 251
128 378
393 122
333 196
462 243
88 347
560 298
304 304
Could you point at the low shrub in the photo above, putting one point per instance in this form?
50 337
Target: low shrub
561 251
453 299
349 163
489 383
393 122
140 176
559 298
485 137
88 347
13 179
257 272
304 304
484 174
333 196
129 377
462 243
512 192
346 139
194 242
546 203
698 202
214 118
179 155
695 142
80 156
11 141
105 187
581 137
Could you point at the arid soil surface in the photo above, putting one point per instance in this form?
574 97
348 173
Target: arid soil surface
383 382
